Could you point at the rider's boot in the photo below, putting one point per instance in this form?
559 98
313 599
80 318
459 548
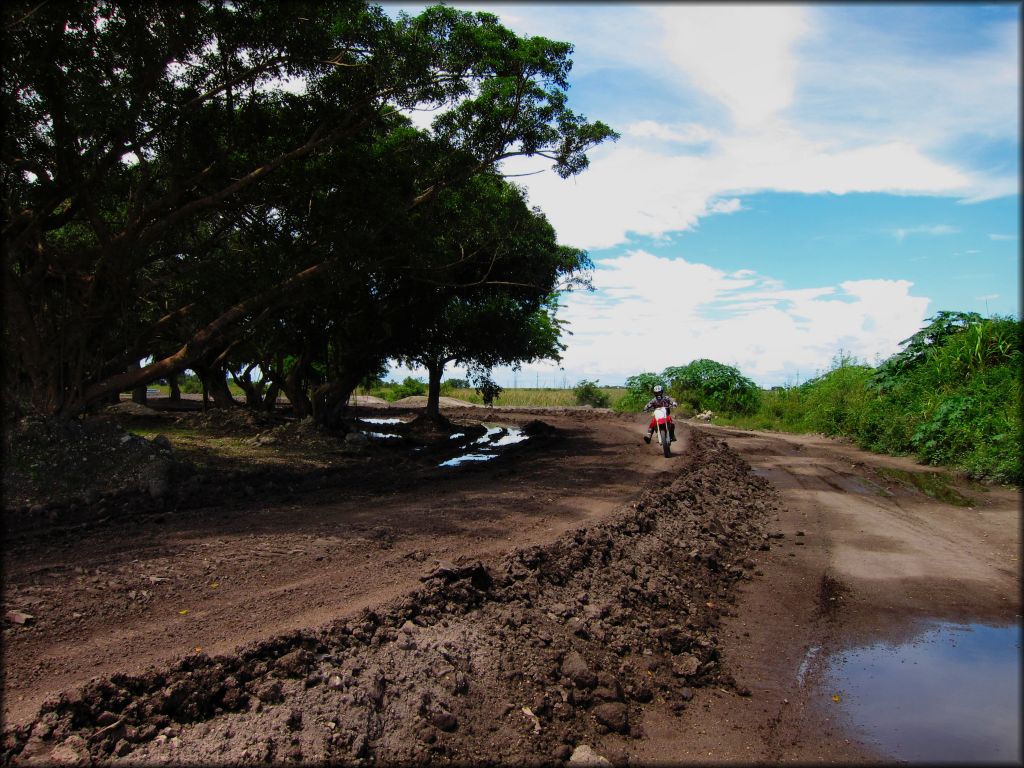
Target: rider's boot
671 433
647 437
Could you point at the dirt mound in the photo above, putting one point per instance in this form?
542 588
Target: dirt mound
513 661
238 419
368 400
62 462
420 401
131 408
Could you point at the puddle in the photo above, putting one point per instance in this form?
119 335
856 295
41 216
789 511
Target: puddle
487 446
383 435
952 694
383 420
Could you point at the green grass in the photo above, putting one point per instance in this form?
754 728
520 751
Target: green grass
525 397
536 398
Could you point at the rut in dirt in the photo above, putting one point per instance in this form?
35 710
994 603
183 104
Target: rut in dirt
514 661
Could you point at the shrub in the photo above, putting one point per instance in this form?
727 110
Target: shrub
488 389
410 387
638 392
708 385
836 402
588 393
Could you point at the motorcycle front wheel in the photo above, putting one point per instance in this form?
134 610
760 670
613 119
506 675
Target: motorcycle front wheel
666 441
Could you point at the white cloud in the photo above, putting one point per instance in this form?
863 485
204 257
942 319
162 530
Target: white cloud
999 237
652 312
925 229
815 107
739 54
686 133
630 188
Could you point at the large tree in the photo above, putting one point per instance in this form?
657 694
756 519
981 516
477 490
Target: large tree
144 139
508 267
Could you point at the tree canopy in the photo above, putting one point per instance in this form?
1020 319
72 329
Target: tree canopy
211 183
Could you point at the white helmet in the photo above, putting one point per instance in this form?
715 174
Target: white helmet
658 389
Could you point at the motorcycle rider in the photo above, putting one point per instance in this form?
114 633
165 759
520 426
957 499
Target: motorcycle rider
660 400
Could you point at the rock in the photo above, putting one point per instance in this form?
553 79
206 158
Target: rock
613 715
584 755
444 720
295 663
608 687
157 478
685 665
357 439
163 442
72 751
271 693
334 682
19 617
575 668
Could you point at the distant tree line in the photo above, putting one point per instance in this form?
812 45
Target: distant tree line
233 188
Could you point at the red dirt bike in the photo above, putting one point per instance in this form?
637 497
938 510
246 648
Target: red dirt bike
664 433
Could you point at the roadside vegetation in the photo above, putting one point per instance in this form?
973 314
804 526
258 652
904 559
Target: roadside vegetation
584 393
951 397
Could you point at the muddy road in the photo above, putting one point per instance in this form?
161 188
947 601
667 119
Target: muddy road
578 593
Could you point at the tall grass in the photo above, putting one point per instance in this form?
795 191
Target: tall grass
959 405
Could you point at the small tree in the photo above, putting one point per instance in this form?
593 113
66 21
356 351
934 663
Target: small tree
640 389
709 385
588 393
488 389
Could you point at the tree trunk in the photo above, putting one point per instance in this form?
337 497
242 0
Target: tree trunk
139 391
295 388
434 371
330 401
253 389
217 386
172 382
270 396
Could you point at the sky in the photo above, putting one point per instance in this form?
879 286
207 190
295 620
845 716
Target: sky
793 182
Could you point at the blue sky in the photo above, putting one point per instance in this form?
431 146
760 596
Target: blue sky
792 180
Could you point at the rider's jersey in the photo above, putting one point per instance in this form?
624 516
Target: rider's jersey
661 401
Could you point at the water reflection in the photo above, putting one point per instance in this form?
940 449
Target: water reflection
950 695
486 447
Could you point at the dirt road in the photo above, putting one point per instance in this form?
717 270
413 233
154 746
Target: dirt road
862 554
875 558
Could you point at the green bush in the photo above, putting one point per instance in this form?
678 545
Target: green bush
488 389
588 393
708 385
190 384
952 397
836 402
639 390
